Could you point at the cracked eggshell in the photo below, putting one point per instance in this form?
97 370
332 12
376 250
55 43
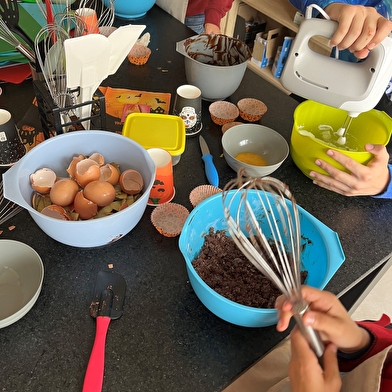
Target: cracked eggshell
131 182
42 180
86 170
56 212
71 170
97 157
84 207
109 173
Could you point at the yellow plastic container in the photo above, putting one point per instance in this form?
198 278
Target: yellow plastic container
370 127
152 130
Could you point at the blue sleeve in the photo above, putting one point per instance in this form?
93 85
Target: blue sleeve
387 194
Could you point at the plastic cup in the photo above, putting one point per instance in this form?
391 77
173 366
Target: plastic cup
162 190
89 16
187 105
11 146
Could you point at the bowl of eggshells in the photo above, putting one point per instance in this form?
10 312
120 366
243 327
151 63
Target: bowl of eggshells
84 189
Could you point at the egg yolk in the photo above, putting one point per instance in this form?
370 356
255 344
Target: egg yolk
251 159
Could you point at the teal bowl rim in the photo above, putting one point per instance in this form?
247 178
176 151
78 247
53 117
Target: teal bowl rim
337 258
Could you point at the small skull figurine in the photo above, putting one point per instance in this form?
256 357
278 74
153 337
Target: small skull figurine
189 116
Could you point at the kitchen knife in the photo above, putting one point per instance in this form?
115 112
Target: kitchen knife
210 169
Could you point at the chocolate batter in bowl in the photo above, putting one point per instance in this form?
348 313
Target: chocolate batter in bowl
215 63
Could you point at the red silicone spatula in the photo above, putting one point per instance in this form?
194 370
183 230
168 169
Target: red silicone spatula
107 304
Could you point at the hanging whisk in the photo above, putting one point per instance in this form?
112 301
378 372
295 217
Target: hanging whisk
8 36
263 221
8 209
49 46
72 23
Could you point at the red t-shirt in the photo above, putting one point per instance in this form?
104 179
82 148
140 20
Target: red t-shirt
214 10
382 338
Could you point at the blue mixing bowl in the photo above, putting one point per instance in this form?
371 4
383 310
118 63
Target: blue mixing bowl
321 256
131 9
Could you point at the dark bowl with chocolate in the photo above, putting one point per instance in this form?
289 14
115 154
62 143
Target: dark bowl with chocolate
227 284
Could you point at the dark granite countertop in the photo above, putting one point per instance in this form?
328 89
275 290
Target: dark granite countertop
166 339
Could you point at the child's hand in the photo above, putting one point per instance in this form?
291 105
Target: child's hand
305 372
362 180
328 316
360 28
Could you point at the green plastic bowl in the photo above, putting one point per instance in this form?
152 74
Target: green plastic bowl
370 127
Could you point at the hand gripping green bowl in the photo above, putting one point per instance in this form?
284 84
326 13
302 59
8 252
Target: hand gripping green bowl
370 127
321 256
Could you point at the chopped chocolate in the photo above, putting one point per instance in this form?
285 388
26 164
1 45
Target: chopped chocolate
226 270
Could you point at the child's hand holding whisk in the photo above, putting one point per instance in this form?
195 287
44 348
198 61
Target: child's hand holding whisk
305 372
328 316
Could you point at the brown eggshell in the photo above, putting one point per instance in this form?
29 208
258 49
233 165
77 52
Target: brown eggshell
42 180
109 173
101 193
87 170
131 182
63 192
97 157
71 170
56 212
84 207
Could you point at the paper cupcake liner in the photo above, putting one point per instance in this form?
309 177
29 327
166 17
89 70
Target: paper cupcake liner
251 109
201 193
227 126
139 54
169 219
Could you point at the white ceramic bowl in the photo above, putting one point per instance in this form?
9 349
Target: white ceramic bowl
256 139
21 276
56 153
216 81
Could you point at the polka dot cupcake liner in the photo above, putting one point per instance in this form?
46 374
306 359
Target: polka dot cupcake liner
169 219
201 193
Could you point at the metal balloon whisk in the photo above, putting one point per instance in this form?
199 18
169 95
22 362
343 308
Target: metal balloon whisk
49 48
8 209
263 220
9 37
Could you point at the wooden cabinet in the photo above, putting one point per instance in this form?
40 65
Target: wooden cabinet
278 12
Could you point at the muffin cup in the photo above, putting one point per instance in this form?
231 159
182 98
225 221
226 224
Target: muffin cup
169 219
139 55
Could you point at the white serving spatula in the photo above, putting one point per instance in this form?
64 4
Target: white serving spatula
122 41
87 65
